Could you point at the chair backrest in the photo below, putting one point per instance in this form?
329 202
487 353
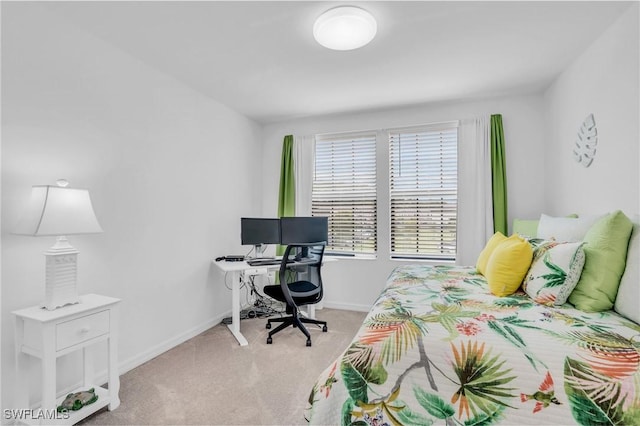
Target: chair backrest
302 262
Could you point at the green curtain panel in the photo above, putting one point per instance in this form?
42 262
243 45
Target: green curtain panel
498 175
287 194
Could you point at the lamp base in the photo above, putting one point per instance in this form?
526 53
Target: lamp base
61 275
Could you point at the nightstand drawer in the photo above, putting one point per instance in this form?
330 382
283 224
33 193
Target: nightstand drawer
81 329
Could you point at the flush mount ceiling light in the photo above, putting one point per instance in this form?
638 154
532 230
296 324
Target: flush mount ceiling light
345 28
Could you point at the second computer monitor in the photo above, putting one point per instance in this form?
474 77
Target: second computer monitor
302 229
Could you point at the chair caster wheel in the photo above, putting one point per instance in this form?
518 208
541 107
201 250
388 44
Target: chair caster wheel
309 342
269 340
324 329
268 326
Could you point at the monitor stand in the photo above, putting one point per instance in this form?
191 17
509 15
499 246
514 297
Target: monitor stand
258 251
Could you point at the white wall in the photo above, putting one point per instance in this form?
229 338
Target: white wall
602 81
354 284
170 173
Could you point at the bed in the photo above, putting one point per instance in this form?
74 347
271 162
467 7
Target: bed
438 347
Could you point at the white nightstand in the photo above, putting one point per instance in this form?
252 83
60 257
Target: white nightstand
50 334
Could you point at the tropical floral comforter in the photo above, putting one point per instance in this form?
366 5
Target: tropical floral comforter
438 348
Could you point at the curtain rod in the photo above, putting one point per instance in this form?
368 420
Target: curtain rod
438 123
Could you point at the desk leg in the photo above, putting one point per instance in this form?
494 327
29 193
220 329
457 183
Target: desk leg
311 311
235 309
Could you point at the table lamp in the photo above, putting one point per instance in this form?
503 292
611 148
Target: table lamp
59 211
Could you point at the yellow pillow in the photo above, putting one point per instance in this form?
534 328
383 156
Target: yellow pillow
508 265
485 254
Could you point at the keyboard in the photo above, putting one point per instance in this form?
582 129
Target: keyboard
266 262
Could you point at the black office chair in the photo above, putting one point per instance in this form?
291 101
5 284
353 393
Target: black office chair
300 284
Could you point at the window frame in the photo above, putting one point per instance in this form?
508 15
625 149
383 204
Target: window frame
364 241
447 251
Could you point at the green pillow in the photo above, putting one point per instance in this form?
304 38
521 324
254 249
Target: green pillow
605 250
525 227
529 227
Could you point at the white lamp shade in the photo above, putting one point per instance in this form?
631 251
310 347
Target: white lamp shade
57 211
345 28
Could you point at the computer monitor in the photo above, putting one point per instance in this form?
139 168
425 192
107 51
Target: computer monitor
258 232
302 229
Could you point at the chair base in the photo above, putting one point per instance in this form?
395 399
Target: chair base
294 321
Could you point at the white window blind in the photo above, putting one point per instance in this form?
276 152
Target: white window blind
423 185
344 190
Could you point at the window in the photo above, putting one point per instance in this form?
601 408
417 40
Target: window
344 190
423 192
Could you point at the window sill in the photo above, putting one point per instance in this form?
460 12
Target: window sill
426 261
354 257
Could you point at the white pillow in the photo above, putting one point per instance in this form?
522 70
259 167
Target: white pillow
565 229
628 298
554 272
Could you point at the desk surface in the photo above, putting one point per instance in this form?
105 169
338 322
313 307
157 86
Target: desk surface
242 266
236 269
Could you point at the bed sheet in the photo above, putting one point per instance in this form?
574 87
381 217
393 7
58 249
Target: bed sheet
438 348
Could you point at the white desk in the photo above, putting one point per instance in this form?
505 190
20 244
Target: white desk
235 270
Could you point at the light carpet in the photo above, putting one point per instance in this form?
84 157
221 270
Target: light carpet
211 380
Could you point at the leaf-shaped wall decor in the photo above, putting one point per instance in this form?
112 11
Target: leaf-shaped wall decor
585 146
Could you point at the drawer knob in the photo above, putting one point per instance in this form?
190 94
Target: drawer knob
85 329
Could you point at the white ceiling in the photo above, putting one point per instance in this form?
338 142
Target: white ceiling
260 58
